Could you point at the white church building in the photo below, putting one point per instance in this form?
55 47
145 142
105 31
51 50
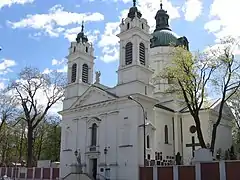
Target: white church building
105 125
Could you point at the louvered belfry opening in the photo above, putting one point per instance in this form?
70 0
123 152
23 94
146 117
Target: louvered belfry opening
85 73
142 53
128 53
74 73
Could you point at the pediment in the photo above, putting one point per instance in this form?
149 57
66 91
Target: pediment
226 109
92 96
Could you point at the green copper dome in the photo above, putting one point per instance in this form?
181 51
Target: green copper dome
163 38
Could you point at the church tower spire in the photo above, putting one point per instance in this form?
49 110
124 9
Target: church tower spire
133 11
134 70
162 19
81 37
80 65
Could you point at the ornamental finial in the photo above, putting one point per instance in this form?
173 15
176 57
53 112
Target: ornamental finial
161 5
134 3
82 26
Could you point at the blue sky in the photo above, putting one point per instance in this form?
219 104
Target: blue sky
38 32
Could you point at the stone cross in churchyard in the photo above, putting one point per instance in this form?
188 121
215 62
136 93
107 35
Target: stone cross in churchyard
193 145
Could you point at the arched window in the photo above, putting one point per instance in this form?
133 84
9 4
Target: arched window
85 73
74 73
128 53
94 135
142 26
142 53
148 141
74 48
128 25
166 134
86 49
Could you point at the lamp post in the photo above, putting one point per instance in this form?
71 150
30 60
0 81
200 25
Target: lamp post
144 128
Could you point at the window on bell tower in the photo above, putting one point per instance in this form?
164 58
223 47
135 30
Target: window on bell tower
128 53
142 53
74 73
85 73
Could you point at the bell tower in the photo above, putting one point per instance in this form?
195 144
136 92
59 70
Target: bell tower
80 66
134 72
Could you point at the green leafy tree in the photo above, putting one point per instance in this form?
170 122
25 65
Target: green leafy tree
191 75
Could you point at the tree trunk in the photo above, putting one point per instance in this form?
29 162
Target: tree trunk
214 134
199 131
30 145
21 146
55 143
40 147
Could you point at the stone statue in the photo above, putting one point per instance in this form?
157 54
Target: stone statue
98 74
122 21
79 162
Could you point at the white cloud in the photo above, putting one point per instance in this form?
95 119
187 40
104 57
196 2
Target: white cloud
55 21
71 34
58 62
192 9
223 18
2 85
109 42
61 64
5 66
11 2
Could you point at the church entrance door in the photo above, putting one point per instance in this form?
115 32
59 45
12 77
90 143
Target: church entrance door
93 167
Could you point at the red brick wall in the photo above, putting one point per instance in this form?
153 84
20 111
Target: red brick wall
232 170
207 171
186 172
31 173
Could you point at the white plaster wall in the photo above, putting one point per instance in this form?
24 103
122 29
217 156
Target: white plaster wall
163 118
134 72
187 136
160 57
224 132
127 158
134 87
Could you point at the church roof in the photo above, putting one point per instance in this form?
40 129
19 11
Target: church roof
214 106
159 105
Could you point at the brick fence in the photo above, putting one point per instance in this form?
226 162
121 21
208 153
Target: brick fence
223 170
30 173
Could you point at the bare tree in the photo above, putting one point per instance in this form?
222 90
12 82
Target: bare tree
37 93
227 78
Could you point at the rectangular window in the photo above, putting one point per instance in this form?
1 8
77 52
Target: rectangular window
181 129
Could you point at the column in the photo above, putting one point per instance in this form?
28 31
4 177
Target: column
222 170
175 172
197 171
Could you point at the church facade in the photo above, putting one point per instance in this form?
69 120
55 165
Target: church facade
114 130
